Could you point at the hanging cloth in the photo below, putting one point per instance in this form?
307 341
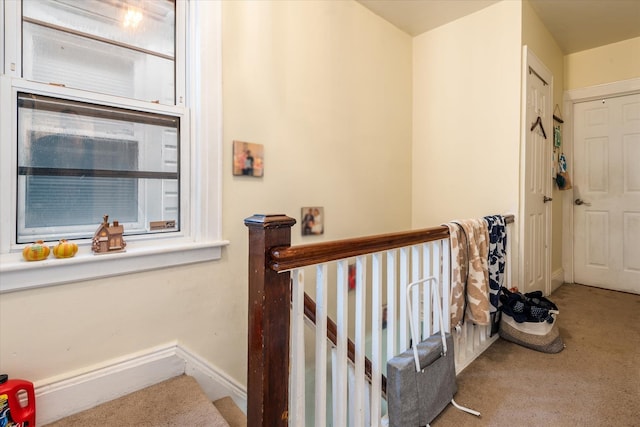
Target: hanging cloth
562 178
496 264
477 286
459 267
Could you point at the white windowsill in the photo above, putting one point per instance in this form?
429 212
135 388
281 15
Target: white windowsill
17 274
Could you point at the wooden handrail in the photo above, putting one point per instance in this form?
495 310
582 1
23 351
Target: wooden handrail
287 257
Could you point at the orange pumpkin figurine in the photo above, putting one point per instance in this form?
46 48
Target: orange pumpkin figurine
36 251
65 249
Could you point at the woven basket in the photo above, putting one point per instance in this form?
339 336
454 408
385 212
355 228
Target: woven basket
551 342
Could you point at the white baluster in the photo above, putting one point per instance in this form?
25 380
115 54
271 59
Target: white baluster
376 341
340 365
335 381
416 275
352 386
427 317
404 281
391 304
436 271
368 402
446 284
360 337
297 399
321 346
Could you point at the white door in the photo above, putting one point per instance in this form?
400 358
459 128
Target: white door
537 179
607 193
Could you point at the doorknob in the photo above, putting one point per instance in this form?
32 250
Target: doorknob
547 199
581 202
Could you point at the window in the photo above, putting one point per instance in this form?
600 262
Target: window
120 47
97 120
98 160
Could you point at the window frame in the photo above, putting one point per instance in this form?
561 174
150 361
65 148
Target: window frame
31 88
199 239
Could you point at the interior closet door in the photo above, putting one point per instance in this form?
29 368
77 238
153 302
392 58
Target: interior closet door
535 229
607 193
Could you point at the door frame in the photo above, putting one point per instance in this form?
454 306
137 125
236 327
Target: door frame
571 97
530 60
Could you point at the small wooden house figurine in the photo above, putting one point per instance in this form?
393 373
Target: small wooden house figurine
108 238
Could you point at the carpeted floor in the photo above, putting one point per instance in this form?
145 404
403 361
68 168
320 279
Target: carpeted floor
231 412
594 381
172 403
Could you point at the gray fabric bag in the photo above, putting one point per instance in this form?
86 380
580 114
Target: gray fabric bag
422 381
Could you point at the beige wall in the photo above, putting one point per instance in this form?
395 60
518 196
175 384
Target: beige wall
536 36
333 93
466 117
326 87
606 64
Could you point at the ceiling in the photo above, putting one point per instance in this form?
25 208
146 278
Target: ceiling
576 25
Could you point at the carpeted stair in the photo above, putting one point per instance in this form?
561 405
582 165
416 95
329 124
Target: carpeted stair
176 402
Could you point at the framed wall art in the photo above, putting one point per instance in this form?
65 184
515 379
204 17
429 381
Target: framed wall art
312 221
248 159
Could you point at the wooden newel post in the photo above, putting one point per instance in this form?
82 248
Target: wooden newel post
269 318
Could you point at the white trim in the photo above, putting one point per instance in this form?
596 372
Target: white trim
76 391
205 98
214 383
18 274
571 97
477 351
589 93
557 279
12 53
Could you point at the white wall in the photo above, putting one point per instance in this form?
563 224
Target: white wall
466 117
326 87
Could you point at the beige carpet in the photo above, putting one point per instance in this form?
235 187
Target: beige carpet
172 403
231 412
594 381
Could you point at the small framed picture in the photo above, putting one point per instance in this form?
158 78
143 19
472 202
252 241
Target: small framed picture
312 221
248 159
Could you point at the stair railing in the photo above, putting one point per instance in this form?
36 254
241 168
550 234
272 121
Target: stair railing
277 310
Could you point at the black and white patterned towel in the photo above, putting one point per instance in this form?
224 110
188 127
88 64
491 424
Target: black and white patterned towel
497 257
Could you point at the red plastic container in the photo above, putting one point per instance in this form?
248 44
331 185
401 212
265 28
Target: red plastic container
12 413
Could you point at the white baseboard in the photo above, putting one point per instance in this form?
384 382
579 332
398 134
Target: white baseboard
557 279
464 363
77 391
214 384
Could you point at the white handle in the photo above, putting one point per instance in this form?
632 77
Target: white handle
434 292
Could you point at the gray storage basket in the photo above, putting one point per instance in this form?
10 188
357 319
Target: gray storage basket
422 381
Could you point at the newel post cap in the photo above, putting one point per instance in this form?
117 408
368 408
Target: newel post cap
269 221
